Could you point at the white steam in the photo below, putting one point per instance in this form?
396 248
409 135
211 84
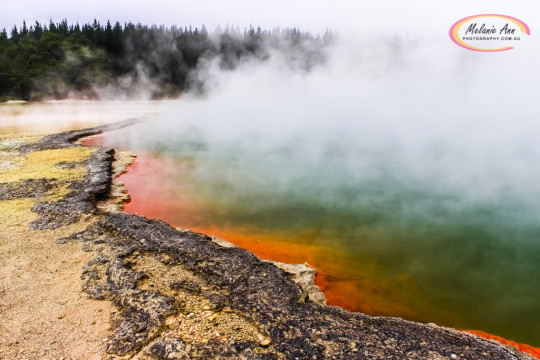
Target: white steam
51 117
425 114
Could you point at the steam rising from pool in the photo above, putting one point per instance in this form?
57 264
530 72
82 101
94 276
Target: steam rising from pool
416 155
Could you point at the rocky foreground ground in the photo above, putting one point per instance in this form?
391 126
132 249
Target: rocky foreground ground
154 292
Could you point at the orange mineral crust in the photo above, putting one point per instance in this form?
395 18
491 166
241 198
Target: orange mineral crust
355 294
521 347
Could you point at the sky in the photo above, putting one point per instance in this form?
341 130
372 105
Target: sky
427 17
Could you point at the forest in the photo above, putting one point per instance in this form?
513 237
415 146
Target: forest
62 60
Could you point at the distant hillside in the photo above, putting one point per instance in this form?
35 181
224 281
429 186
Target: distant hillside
60 60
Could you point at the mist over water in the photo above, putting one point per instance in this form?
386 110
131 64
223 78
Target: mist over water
49 117
415 156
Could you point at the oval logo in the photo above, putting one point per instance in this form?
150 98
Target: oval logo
489 32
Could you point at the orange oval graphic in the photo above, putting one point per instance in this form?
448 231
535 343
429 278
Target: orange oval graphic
488 32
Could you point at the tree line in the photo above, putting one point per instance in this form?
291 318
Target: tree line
58 60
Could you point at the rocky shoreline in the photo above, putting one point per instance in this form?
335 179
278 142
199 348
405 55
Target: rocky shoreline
183 295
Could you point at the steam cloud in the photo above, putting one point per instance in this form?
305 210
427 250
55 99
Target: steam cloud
432 116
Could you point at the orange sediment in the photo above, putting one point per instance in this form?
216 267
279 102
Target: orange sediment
343 294
521 347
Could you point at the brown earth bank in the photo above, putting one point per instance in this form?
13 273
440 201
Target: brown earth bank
155 292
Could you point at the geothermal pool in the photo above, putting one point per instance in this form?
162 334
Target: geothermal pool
407 175
385 240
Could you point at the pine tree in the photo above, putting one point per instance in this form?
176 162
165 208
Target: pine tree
52 27
24 30
38 31
14 34
63 28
